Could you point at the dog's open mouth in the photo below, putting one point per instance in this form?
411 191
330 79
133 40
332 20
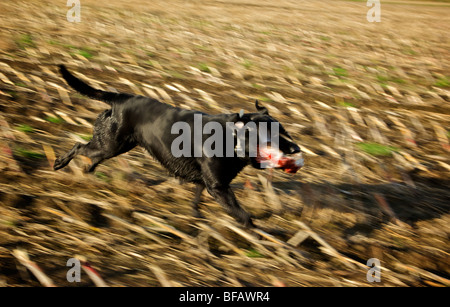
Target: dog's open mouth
274 158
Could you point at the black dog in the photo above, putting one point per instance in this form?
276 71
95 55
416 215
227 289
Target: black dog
137 120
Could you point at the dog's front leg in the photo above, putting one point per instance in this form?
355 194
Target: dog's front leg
225 197
199 187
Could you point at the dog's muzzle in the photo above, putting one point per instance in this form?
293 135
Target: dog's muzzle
275 158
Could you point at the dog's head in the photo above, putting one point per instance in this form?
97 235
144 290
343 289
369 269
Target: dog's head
273 148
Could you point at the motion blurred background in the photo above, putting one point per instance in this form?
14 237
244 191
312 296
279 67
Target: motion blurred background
367 102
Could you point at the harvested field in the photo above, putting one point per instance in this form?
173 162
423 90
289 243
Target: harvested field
367 102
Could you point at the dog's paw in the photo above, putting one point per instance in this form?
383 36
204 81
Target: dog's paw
246 221
249 223
197 214
58 164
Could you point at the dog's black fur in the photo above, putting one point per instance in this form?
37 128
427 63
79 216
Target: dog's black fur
137 120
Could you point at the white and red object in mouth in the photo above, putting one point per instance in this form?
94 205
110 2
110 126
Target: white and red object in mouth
274 158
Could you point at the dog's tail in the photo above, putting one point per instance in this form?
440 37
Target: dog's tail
85 89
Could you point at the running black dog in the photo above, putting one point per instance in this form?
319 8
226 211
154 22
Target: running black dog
137 120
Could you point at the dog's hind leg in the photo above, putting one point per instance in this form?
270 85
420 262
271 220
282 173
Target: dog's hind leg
89 150
65 159
106 143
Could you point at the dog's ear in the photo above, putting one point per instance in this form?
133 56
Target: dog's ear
260 108
240 117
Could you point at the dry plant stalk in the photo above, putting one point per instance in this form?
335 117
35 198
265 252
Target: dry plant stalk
24 259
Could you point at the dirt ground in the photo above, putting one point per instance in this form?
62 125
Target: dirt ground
367 102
